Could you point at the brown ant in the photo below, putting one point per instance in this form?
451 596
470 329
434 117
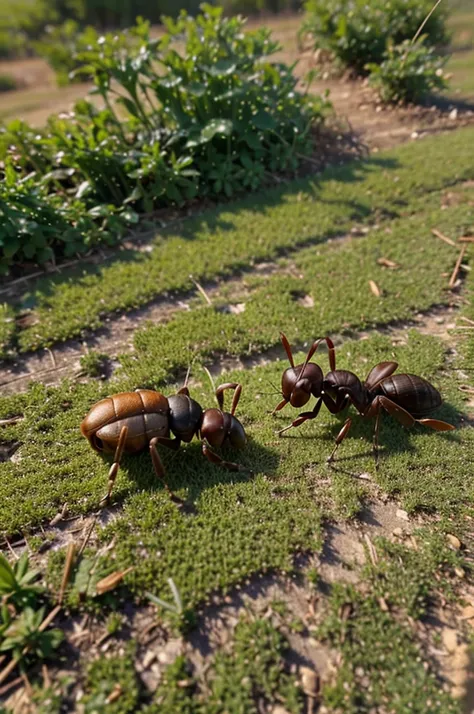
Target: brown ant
406 397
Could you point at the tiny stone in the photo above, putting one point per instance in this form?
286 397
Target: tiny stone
454 542
460 574
459 677
402 514
414 135
359 672
453 114
309 681
279 710
398 532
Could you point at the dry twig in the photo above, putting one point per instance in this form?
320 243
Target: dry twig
454 275
440 235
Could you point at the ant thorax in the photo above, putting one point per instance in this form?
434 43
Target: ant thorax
185 416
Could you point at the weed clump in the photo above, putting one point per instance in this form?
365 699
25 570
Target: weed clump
409 73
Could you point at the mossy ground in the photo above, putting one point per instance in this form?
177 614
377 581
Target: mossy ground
237 525
224 240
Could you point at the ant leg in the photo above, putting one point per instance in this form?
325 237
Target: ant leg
335 405
376 439
116 464
216 459
340 437
280 406
391 408
157 464
304 416
436 424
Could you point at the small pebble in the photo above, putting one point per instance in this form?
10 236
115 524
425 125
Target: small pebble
402 514
453 541
309 681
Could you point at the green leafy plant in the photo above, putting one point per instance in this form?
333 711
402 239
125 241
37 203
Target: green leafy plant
17 582
25 633
410 72
183 617
62 44
357 32
181 118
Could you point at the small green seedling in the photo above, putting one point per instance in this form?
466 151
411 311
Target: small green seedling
184 616
24 635
17 582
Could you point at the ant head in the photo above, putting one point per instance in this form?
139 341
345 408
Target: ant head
300 382
218 425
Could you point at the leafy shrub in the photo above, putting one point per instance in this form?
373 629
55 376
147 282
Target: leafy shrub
59 47
410 72
37 227
7 83
357 32
182 118
62 44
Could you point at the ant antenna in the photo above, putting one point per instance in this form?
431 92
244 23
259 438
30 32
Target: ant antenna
186 379
210 379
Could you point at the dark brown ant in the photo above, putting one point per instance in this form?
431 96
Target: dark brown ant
407 397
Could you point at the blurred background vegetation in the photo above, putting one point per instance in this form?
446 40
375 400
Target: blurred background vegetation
23 21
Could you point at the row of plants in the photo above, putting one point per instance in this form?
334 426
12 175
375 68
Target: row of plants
199 112
24 22
379 39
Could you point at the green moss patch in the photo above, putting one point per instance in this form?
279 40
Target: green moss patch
336 279
227 239
55 464
382 663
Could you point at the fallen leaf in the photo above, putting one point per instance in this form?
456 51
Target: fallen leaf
111 581
375 288
387 263
115 694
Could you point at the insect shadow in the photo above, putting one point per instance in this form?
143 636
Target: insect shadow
189 475
394 438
